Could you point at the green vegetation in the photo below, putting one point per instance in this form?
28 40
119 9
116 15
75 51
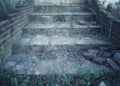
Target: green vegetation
42 57
5 50
60 18
8 78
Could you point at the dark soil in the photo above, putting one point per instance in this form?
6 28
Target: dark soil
8 78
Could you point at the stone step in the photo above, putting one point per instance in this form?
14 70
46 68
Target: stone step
62 17
30 44
66 62
61 2
60 8
62 29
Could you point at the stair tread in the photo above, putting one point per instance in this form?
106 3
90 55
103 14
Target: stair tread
60 5
63 13
58 40
63 51
37 25
23 63
60 8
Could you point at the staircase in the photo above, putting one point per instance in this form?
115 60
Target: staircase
55 39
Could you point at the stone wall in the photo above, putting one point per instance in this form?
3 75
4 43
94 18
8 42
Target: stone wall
10 29
110 25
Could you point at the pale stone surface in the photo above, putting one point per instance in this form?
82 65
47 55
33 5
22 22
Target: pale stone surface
117 58
63 13
99 60
32 65
113 65
102 84
58 2
58 40
51 49
35 25
92 53
93 68
107 54
10 64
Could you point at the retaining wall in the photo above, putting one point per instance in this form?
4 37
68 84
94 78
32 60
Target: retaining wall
110 25
10 29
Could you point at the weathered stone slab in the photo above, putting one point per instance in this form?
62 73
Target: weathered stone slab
61 16
49 8
27 43
102 84
99 60
29 64
116 57
59 2
113 65
61 29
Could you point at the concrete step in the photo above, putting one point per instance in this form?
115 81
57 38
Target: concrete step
61 29
38 43
62 17
61 2
66 62
60 8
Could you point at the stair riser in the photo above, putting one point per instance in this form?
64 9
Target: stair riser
51 9
37 49
61 18
59 32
